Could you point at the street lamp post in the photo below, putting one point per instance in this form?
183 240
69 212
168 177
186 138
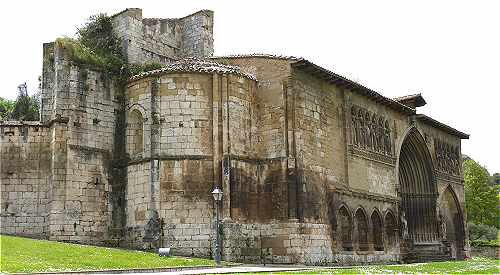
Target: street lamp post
217 193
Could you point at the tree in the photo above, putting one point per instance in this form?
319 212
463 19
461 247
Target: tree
6 107
481 199
26 107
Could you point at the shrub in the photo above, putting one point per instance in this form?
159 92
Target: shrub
482 232
492 243
97 46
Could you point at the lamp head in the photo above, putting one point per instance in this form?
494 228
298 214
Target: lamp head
217 193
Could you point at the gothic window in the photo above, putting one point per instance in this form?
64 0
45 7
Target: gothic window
345 225
377 231
135 133
390 229
362 230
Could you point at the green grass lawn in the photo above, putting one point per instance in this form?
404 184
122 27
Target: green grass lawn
28 255
476 265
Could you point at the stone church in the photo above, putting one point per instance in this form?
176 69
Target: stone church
315 168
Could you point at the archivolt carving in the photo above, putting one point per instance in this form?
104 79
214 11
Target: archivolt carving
370 131
447 157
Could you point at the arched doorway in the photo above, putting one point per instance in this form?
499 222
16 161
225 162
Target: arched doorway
378 239
417 189
345 228
390 230
451 223
361 229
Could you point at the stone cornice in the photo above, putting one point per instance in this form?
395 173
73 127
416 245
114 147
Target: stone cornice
161 157
90 149
372 156
366 195
448 177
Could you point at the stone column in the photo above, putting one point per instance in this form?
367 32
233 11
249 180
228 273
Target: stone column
226 148
57 184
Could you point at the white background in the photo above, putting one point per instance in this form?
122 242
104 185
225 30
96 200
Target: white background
446 50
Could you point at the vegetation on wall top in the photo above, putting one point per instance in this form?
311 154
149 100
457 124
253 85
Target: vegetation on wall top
98 46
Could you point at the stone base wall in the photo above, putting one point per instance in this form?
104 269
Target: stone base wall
289 243
485 251
191 240
81 211
179 204
24 178
277 243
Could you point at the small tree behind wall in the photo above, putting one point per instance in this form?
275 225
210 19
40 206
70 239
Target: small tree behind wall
25 107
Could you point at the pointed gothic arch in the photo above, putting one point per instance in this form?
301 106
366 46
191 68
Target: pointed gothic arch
391 229
345 227
377 230
417 188
451 222
361 229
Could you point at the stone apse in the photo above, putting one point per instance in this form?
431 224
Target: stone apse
315 168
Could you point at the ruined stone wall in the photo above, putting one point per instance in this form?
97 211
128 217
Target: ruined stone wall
159 40
48 74
25 178
82 144
197 34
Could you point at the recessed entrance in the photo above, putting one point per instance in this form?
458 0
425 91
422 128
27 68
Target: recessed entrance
418 189
452 225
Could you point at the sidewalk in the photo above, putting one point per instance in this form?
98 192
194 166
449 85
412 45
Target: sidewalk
228 270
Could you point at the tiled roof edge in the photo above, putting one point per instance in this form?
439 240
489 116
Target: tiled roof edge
258 55
442 126
356 87
197 66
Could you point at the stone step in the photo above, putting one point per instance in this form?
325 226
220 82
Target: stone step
426 256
